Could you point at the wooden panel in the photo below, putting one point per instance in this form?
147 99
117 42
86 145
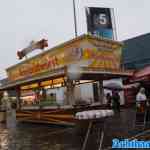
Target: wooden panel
58 116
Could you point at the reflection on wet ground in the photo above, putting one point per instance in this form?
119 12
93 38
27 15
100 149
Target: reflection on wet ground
27 136
36 137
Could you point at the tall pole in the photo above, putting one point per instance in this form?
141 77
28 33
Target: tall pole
113 24
75 18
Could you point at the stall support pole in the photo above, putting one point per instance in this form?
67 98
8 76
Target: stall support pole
100 134
87 135
18 98
101 92
70 92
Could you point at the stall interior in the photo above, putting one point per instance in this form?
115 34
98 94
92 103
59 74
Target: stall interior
54 92
55 95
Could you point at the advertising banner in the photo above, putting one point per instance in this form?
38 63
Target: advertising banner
99 22
85 53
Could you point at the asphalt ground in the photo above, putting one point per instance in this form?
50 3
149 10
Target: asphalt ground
27 136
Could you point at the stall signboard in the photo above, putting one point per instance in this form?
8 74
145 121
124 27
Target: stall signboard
99 22
85 52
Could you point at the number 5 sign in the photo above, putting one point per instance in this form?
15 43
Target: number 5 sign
99 21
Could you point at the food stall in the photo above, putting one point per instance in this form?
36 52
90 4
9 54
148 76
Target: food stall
85 59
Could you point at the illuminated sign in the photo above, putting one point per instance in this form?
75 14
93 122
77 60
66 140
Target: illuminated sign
46 83
30 86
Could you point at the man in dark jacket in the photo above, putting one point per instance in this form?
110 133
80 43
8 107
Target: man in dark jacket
116 101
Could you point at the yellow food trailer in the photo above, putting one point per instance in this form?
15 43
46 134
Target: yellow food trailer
81 60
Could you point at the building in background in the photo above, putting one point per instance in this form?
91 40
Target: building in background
136 52
136 56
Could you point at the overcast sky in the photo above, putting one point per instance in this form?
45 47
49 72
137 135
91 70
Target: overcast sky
25 20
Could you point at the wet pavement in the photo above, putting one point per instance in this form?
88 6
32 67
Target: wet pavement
25 136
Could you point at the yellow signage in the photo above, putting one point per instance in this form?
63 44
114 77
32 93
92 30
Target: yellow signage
46 83
30 86
83 51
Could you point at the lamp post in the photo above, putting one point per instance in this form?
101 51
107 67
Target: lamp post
75 18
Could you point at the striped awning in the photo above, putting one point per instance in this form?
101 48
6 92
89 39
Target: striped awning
142 75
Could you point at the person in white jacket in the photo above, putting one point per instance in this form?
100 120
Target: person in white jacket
141 99
141 96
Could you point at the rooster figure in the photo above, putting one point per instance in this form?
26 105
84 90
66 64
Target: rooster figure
33 45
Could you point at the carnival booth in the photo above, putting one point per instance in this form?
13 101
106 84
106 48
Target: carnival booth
45 84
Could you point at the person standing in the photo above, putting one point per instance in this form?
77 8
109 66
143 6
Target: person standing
116 101
141 99
141 96
109 100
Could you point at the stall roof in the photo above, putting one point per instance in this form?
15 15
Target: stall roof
142 75
60 72
86 73
99 74
67 43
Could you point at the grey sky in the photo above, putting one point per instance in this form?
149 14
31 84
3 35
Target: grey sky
26 20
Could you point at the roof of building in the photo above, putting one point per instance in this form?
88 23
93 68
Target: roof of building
136 52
